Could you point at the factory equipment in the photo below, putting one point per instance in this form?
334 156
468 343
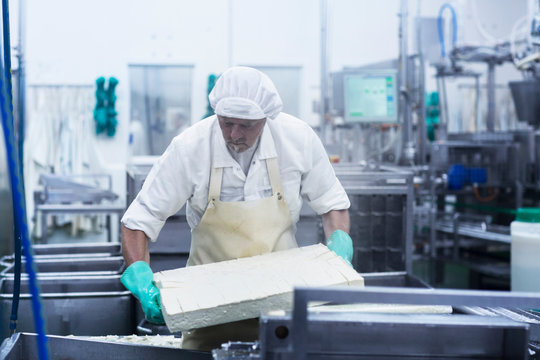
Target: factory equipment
375 133
316 335
57 251
470 184
371 96
482 325
467 174
75 194
525 94
381 216
48 267
67 300
75 280
23 346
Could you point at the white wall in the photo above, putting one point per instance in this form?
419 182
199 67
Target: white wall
74 42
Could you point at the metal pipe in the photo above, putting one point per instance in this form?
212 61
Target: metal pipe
422 133
324 34
491 97
432 214
477 103
7 52
408 148
421 90
17 229
443 105
409 225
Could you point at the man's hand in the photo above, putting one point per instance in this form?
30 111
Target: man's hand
341 243
138 278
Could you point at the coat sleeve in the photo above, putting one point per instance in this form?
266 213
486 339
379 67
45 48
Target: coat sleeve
320 187
166 189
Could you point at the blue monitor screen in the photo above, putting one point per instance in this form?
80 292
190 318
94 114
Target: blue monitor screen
371 97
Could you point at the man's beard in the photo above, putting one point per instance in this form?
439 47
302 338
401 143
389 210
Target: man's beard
237 148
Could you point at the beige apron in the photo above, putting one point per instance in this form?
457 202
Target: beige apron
231 230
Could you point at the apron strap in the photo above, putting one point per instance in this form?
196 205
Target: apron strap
214 190
216 175
275 179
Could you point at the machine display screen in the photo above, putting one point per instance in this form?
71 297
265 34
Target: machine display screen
371 97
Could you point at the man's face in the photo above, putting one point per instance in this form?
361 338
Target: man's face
240 134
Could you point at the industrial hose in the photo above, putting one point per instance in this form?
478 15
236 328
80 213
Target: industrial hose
19 213
17 230
440 27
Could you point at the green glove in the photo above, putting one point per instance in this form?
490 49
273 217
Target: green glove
137 278
341 243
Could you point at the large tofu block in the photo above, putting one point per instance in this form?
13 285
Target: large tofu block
227 291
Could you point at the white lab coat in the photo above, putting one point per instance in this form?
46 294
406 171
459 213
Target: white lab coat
182 174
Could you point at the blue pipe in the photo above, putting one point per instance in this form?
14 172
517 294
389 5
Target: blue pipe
7 51
19 214
440 27
17 230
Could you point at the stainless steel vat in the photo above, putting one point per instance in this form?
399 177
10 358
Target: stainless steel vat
88 250
22 346
46 267
393 279
78 305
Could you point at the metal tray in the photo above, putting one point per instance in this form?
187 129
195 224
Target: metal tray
23 346
71 251
386 336
78 305
87 248
393 279
111 265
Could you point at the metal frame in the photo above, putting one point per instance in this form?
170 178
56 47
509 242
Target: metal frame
46 210
88 266
64 194
304 295
387 180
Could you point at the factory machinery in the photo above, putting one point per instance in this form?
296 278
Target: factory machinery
308 334
471 184
472 172
420 194
483 324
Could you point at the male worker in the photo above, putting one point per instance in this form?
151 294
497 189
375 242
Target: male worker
243 173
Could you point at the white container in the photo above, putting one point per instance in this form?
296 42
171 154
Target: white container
525 250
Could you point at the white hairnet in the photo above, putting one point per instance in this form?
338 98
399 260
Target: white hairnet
245 93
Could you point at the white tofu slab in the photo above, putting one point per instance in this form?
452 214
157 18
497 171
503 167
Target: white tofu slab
227 291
